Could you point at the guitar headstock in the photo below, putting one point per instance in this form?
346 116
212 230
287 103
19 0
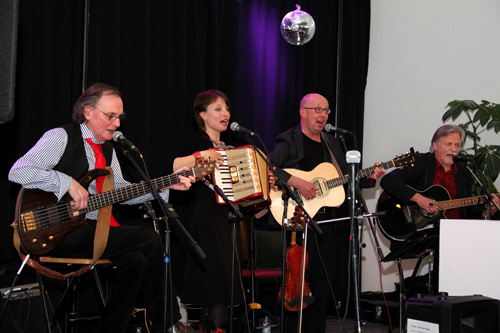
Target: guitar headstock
203 167
406 159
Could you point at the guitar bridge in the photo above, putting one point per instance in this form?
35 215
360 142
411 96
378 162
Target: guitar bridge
322 187
28 222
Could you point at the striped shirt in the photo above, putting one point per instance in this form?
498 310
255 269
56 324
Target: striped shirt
35 169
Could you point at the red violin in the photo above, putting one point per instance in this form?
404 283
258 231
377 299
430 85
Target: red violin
297 290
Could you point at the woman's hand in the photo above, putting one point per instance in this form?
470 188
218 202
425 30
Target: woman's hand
272 180
214 156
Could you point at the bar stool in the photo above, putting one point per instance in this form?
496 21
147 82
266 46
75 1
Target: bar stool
70 300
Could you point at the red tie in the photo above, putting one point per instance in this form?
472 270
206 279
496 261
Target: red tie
100 163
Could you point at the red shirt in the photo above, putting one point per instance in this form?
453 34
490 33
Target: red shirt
447 180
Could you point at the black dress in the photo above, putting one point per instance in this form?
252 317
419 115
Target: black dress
208 281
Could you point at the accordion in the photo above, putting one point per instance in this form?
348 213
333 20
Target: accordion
243 178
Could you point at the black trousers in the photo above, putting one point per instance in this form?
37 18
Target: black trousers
137 253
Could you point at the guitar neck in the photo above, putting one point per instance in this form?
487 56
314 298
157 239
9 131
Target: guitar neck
361 174
134 190
458 203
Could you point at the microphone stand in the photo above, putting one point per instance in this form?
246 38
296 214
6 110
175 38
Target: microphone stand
361 216
353 157
9 294
487 195
170 214
295 196
237 215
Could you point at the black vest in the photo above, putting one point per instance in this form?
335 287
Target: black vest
74 160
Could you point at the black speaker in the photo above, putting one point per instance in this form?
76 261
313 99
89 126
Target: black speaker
9 10
458 314
25 311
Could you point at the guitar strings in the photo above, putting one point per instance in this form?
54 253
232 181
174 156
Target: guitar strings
62 212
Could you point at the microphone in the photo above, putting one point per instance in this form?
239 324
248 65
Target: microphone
331 128
464 159
126 143
235 127
353 157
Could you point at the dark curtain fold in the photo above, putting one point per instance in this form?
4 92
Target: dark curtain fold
160 54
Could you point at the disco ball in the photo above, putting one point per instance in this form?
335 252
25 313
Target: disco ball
297 27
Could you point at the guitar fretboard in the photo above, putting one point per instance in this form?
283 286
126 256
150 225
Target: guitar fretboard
458 203
136 190
361 174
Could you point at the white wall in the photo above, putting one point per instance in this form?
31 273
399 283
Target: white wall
423 54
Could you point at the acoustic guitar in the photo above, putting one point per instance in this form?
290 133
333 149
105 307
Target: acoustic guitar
329 192
43 221
401 220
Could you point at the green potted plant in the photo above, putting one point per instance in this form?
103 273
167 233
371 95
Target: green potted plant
485 158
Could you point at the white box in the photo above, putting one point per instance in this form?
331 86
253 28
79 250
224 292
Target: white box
469 252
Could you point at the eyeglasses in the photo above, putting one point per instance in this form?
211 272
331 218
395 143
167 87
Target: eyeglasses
319 110
112 117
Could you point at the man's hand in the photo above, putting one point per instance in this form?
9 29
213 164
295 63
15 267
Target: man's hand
378 172
79 194
427 204
305 188
184 182
492 209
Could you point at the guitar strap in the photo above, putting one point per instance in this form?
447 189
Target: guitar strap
334 161
100 238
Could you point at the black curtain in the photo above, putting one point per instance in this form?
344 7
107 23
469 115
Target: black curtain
160 54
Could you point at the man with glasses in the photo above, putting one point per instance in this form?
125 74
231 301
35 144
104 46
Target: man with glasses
66 153
303 148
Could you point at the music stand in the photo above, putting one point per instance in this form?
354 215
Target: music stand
417 245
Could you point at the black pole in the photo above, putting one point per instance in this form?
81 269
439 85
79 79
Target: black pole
171 214
86 23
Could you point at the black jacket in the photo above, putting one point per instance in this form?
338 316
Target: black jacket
420 176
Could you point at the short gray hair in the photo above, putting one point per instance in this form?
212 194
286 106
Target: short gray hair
446 130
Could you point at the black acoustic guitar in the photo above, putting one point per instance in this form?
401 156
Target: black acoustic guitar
401 220
43 221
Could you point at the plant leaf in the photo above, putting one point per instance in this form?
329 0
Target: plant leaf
493 124
495 111
470 105
454 111
482 116
488 160
472 135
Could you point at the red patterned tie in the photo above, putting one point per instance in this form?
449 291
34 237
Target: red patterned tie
100 163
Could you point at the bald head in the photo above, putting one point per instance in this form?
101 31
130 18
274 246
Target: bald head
312 99
314 112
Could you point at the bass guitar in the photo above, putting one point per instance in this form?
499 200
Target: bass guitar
329 192
43 221
401 220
